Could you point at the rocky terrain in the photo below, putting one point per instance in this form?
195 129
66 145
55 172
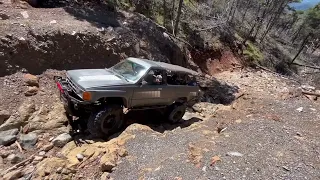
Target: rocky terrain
251 124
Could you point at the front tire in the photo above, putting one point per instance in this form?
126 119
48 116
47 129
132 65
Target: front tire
176 112
105 121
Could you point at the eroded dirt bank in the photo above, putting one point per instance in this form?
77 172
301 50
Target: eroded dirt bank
34 40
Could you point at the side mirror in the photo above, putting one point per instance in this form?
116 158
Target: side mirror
143 82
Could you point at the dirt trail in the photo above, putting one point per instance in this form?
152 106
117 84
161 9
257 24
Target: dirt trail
270 137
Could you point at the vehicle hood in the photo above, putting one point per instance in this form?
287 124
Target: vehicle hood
89 78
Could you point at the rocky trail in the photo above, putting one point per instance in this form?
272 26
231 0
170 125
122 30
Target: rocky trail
251 124
270 131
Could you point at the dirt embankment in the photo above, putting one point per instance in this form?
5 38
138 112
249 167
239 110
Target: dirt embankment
78 37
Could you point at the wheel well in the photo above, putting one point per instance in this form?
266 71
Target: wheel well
114 100
181 100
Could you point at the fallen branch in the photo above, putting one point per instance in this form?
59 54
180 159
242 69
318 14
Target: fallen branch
308 66
208 28
277 74
82 164
19 164
172 36
19 146
308 97
311 93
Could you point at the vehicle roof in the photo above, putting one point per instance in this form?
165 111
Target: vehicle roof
156 64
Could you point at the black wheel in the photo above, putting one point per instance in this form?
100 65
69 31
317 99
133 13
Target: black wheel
176 112
106 121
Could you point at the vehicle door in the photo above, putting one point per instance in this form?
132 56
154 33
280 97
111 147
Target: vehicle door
150 90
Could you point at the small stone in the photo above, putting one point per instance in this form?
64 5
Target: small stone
24 14
59 170
166 35
1 160
65 171
32 90
308 88
4 16
31 80
4 39
299 134
16 174
53 22
300 109
73 33
107 167
237 154
42 153
61 140
4 115
80 157
38 158
101 29
15 158
47 147
22 39
122 152
51 139
28 140
204 169
105 176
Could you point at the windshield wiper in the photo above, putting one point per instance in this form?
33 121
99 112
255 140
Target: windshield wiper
119 75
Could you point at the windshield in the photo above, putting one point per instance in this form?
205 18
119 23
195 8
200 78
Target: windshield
129 70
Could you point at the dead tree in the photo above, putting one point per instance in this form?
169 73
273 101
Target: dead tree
176 26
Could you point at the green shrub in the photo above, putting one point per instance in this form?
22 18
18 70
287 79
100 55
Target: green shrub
252 53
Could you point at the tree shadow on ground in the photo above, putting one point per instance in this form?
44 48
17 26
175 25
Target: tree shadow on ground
217 92
101 15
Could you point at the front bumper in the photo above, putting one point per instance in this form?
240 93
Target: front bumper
71 101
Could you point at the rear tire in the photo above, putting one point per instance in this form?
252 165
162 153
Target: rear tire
105 122
176 112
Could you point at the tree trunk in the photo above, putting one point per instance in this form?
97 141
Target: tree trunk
297 33
176 26
273 19
301 47
172 15
165 10
246 11
234 9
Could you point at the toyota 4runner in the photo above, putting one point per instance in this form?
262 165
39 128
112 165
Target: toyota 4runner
101 95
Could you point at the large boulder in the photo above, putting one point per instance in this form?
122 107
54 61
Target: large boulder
62 140
16 174
25 111
31 80
4 115
8 137
53 118
31 91
28 140
15 158
49 166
